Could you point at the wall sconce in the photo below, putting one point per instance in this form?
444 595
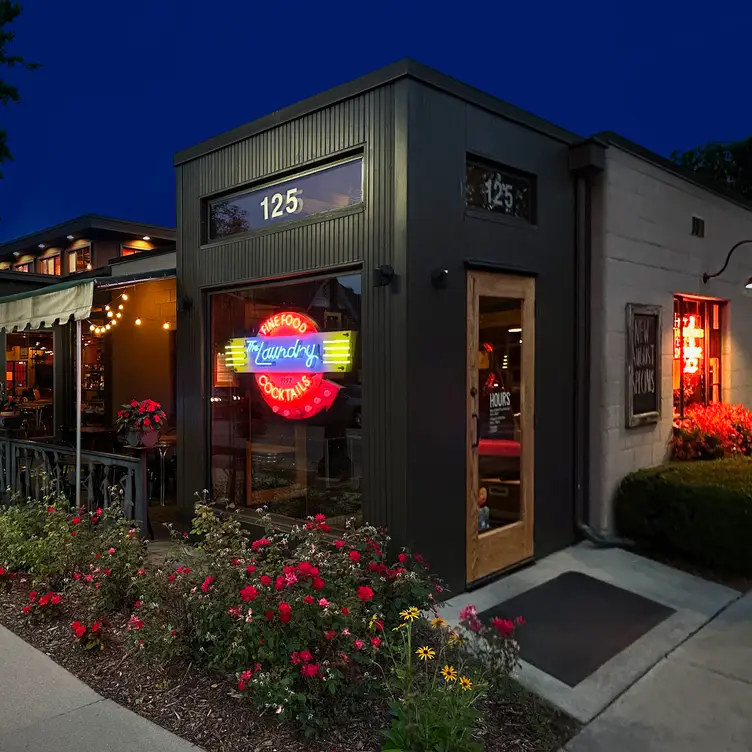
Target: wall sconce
706 277
439 278
383 275
184 304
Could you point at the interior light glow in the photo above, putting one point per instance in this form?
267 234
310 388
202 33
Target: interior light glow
138 322
165 325
515 330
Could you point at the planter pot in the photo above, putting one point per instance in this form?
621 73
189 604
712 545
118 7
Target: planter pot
149 438
9 419
132 438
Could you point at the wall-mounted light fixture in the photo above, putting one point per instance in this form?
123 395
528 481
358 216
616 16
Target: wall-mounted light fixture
706 277
383 275
439 278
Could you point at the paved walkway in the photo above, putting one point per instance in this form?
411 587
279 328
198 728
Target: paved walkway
697 699
43 708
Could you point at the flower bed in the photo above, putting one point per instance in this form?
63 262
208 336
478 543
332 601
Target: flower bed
712 432
299 634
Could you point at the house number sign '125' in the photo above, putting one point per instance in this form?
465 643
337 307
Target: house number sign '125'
500 190
327 189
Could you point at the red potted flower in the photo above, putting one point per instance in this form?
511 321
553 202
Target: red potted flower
141 422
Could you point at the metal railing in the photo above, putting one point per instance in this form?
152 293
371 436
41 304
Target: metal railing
29 468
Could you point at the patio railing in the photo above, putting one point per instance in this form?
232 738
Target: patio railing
29 468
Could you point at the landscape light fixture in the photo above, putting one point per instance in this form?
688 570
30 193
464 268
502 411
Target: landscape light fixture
706 277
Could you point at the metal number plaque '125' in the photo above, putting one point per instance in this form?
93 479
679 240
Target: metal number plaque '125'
327 189
500 190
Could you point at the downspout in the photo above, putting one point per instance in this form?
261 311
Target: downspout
586 160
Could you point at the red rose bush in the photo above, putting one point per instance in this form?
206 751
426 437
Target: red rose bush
295 615
709 432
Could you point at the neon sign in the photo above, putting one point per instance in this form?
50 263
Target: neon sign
288 358
694 338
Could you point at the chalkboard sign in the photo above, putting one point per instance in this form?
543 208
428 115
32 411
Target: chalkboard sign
643 361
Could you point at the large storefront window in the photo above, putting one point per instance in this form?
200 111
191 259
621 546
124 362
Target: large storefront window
697 352
286 398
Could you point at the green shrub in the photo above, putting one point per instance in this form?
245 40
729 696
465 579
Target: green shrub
699 510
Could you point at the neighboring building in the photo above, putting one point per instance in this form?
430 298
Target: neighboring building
656 230
80 245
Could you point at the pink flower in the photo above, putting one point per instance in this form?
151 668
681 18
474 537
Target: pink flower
249 593
259 543
354 556
279 584
317 583
235 612
320 518
520 621
265 580
305 656
89 578
141 572
33 595
250 569
206 584
135 623
323 602
110 551
77 576
330 635
55 600
375 641
345 611
236 562
358 644
285 612
50 509
27 609
365 593
171 578
402 558
295 658
75 521
137 604
340 544
309 599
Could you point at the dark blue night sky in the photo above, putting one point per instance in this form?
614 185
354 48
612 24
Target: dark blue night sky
126 84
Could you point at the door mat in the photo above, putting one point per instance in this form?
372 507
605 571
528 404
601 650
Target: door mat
575 623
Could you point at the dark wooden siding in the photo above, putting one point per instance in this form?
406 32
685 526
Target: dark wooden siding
441 235
368 238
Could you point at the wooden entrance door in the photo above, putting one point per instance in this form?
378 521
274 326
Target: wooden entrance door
500 426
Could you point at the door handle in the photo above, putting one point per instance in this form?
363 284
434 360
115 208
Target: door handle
476 441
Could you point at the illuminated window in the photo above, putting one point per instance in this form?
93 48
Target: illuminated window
286 398
50 266
79 260
22 268
697 352
132 251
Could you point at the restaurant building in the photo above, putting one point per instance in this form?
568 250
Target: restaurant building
379 289
401 301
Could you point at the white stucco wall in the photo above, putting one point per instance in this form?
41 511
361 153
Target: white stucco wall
643 252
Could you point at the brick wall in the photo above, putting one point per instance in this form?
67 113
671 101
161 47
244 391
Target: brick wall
643 252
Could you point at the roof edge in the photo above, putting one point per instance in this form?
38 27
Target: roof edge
88 222
631 147
405 68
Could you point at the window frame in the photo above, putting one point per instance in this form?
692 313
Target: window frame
56 265
86 249
678 410
280 521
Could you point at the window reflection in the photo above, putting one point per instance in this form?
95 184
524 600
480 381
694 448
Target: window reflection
286 398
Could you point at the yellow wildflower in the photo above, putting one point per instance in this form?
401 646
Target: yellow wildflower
465 683
426 654
455 638
438 622
409 614
449 673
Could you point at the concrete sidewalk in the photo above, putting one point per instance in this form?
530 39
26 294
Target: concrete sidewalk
43 708
697 699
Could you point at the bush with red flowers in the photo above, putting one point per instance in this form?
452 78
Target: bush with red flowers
6 578
89 637
288 613
711 432
45 606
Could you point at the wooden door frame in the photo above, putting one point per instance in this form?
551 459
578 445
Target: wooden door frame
496 550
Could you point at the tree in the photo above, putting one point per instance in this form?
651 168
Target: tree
728 165
9 11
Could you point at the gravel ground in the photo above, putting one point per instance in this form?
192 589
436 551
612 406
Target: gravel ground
199 706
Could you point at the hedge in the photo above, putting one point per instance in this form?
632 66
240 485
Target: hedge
699 510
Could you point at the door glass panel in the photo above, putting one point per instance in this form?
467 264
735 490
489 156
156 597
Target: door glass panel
498 426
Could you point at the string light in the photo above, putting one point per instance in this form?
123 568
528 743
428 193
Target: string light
119 315
138 322
166 325
106 308
109 314
125 296
120 307
92 328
